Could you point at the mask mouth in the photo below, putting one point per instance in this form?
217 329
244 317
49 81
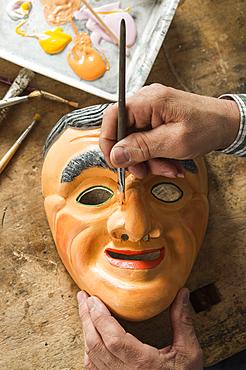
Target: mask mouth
135 259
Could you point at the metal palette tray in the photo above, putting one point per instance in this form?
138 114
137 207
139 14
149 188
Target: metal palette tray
153 18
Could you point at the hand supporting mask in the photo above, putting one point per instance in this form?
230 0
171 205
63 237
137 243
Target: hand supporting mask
135 256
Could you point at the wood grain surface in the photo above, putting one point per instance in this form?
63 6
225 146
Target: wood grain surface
204 52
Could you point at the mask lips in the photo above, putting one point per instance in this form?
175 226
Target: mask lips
146 259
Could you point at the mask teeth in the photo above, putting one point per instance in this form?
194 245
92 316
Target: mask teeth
138 257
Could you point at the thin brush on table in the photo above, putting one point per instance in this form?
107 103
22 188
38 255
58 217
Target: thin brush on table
11 152
35 94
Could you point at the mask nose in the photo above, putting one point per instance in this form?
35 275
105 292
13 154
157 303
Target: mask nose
133 221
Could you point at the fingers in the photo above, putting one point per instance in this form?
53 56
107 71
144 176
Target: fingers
185 353
158 166
144 110
165 167
128 349
168 123
136 117
110 347
158 134
98 355
140 170
92 339
164 141
184 336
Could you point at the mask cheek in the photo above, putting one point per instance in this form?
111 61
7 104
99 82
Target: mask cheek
77 245
53 204
67 228
195 217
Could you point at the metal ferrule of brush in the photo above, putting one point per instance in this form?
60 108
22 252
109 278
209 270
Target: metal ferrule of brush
121 179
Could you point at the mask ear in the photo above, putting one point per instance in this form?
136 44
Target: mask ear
53 204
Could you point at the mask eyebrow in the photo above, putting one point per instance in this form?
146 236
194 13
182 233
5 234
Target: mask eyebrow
189 165
83 161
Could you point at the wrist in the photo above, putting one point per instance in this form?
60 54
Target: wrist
231 125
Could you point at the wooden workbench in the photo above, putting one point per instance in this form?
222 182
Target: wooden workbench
204 52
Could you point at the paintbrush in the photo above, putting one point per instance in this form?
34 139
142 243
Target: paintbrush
16 88
11 152
122 115
102 23
34 94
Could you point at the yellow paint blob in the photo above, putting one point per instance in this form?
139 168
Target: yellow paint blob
26 6
51 41
56 41
18 9
85 61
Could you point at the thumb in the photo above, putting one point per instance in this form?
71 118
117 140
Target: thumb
184 335
142 146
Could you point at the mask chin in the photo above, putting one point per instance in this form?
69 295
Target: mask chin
146 306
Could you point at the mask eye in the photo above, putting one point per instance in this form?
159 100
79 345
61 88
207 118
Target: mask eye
95 196
167 192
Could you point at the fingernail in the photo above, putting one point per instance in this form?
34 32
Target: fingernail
81 297
180 174
170 175
95 305
186 297
171 354
120 155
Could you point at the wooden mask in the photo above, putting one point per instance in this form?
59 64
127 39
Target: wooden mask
136 256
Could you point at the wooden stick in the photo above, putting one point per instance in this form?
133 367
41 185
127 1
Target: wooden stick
102 23
11 152
121 133
122 116
34 94
58 99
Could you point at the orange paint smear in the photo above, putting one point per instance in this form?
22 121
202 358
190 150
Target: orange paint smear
85 61
58 12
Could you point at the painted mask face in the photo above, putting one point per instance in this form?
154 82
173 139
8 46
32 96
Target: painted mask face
135 256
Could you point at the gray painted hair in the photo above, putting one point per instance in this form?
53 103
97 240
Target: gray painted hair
91 158
83 119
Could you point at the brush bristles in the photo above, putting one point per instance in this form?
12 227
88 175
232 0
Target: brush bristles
37 117
73 104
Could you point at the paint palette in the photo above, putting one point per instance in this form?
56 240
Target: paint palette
152 18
